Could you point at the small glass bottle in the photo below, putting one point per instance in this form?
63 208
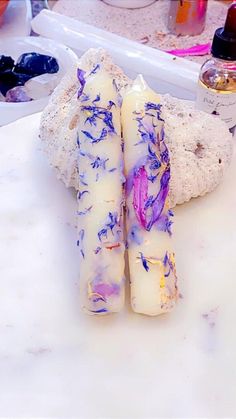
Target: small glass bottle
216 93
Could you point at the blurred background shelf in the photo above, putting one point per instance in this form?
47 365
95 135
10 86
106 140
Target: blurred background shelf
146 25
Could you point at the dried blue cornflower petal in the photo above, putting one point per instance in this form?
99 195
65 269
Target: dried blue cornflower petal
165 154
87 134
85 211
149 202
144 262
150 105
146 131
98 162
151 152
82 179
152 178
167 262
155 165
164 224
95 69
81 194
154 106
110 104
97 250
101 113
112 220
108 121
81 78
102 136
160 199
84 97
82 253
80 241
101 310
166 259
102 233
97 99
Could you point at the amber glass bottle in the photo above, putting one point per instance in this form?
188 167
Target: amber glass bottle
216 92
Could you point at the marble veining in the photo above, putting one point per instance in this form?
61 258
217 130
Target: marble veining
56 361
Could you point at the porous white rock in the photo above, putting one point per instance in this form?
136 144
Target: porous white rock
200 145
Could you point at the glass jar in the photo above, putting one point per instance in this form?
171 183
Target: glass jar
187 17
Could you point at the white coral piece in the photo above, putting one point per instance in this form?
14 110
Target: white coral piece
200 145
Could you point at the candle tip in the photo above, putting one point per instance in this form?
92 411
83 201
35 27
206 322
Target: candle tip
139 83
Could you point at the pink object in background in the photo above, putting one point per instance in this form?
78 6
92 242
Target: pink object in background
195 50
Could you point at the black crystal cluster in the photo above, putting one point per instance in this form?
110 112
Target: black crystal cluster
28 65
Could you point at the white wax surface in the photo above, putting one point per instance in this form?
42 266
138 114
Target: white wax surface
101 267
146 288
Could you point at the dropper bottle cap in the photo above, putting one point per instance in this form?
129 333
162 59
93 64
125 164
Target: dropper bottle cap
224 41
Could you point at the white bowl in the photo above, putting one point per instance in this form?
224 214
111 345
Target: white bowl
129 4
15 47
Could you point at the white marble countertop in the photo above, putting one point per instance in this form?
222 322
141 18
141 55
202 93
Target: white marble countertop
56 361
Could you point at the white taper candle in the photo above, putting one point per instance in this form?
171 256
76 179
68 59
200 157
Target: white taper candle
100 198
147 169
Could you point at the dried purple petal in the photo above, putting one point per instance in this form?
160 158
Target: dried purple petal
140 184
106 290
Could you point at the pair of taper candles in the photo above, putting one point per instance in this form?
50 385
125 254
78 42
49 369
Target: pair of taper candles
123 160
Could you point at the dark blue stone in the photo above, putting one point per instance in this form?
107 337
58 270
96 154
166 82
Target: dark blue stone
10 79
6 63
36 64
